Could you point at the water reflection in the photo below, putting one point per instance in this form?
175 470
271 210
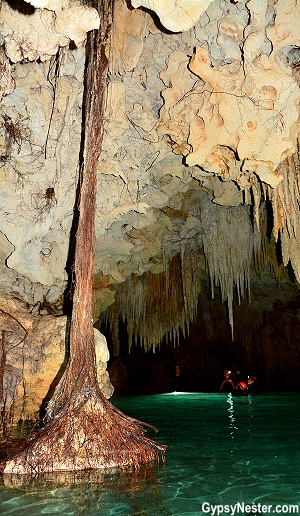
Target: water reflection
232 426
94 492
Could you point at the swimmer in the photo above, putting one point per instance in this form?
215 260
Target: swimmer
227 385
251 384
177 381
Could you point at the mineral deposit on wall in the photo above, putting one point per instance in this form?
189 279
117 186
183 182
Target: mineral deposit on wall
224 114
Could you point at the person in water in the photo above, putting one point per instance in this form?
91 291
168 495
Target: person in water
241 389
177 381
227 385
251 384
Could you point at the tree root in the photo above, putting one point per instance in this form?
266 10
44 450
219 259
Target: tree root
89 434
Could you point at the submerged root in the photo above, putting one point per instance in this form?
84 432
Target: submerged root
90 434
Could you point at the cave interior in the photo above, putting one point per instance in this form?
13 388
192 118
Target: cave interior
197 226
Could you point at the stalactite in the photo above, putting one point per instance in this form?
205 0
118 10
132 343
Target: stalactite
254 196
230 240
166 263
189 257
114 326
285 203
266 256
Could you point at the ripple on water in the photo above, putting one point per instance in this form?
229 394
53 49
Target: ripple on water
222 451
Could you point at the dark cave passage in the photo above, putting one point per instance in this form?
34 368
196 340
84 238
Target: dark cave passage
265 344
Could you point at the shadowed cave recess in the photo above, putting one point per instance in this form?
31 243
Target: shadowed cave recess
196 259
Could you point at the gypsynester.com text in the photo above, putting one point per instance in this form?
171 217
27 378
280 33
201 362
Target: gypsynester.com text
243 508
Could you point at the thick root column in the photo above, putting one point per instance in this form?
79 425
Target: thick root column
90 434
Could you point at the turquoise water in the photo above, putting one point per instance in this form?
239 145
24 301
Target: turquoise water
223 450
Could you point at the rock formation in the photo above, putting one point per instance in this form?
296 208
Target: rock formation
33 350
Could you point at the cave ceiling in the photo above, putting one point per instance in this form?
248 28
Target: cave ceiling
200 149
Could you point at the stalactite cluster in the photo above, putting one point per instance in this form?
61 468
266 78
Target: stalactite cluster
155 306
230 242
158 305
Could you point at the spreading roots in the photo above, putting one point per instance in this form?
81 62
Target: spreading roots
90 434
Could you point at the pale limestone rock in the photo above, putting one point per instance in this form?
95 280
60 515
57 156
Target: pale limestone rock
247 104
116 109
102 357
7 83
254 132
176 15
40 35
35 349
40 139
52 5
291 250
74 22
40 171
138 173
129 29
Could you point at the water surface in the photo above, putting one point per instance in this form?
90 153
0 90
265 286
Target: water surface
222 450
